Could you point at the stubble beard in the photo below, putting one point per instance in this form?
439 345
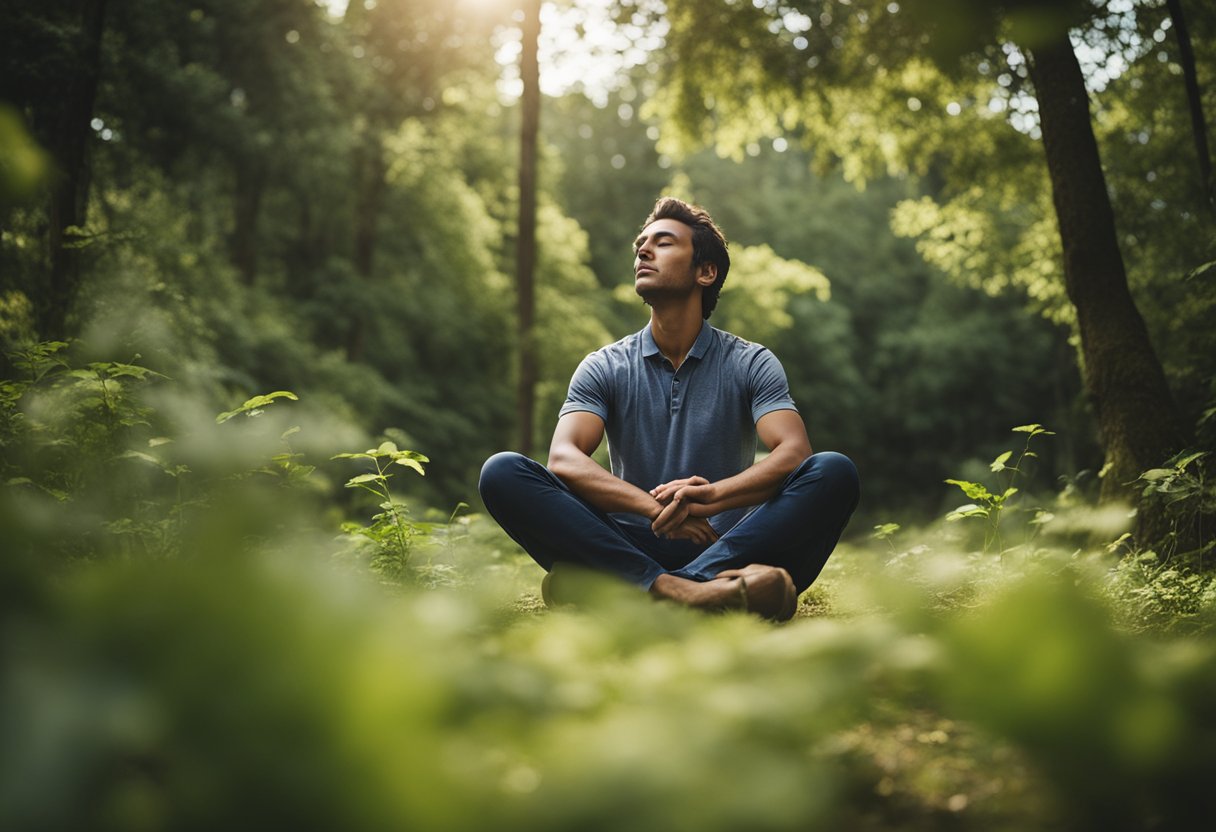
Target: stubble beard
657 294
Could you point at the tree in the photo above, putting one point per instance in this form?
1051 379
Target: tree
1194 99
525 242
55 75
850 75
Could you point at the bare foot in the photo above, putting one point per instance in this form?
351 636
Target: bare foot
768 590
718 594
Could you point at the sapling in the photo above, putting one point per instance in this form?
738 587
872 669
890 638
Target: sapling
391 530
991 505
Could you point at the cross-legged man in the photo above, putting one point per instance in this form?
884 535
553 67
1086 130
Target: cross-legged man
686 512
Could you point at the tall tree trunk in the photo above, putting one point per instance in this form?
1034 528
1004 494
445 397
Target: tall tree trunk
70 195
525 252
1140 424
370 171
247 205
1199 130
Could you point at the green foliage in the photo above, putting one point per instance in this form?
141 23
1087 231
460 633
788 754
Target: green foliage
391 533
23 164
1152 594
937 684
1026 710
253 407
992 505
1189 500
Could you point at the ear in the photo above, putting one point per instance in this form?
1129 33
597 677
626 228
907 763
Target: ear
707 273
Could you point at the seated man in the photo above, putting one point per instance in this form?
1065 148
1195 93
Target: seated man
686 513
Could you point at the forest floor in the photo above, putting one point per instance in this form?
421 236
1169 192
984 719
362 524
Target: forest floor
914 766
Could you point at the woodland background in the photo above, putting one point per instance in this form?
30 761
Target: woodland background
314 210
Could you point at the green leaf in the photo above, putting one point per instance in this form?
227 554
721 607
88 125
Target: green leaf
998 464
972 489
882 532
1155 474
1187 460
131 370
253 406
140 455
969 510
1200 271
387 449
410 463
361 478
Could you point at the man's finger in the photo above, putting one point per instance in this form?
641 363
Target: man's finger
671 516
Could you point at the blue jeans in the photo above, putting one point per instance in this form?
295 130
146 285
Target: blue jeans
796 528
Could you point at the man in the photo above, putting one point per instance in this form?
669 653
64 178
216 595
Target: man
686 512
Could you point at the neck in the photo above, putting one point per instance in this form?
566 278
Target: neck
675 329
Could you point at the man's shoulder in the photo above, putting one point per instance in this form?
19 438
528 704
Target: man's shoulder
618 352
737 348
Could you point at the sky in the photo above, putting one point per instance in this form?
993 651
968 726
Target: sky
592 61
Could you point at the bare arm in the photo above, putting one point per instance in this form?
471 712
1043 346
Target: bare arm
782 432
576 437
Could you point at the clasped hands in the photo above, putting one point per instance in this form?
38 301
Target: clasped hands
684 506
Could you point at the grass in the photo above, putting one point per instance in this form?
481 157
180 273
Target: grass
258 680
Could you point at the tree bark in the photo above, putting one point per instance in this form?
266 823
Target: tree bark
525 259
1139 421
247 204
70 194
1199 131
370 172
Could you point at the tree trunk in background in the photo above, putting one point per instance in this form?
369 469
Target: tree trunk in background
1199 131
1139 422
370 171
525 261
70 195
247 203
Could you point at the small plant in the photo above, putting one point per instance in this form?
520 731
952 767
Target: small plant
256 406
886 531
286 464
991 505
391 532
1151 595
1188 500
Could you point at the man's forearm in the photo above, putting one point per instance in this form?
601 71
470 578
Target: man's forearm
749 487
586 478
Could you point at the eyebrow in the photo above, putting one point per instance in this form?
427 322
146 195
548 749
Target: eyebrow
656 235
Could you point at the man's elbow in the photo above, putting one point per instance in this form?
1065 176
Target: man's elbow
794 454
563 462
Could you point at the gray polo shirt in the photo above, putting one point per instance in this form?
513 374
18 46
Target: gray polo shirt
664 424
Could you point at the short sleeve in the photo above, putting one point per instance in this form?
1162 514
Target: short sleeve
768 386
589 390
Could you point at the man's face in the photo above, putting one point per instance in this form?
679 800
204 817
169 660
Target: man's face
662 263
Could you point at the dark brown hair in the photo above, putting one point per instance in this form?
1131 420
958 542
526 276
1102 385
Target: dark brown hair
708 242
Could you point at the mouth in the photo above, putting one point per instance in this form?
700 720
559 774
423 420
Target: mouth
643 270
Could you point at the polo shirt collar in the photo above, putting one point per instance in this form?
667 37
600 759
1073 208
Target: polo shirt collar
699 347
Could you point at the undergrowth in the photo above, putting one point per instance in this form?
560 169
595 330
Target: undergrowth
196 634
